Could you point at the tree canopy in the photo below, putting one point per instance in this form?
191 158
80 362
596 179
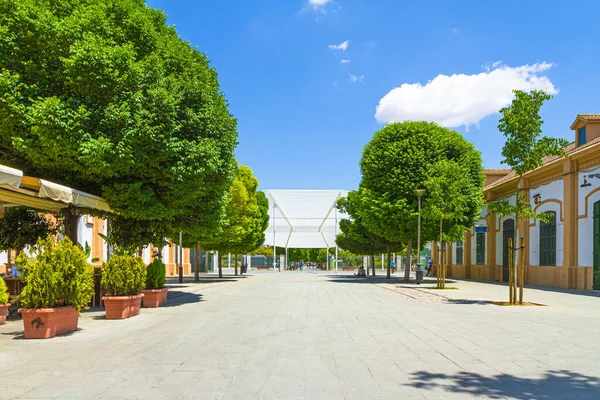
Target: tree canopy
246 218
524 150
403 157
22 226
103 96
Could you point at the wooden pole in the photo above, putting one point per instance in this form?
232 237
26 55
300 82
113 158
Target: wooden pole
522 268
510 272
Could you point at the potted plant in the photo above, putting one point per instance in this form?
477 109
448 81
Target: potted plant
155 294
123 278
4 304
58 282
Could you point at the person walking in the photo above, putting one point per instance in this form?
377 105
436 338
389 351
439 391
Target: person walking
429 264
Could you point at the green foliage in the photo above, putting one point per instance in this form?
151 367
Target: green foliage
155 275
525 148
521 124
129 234
452 197
22 226
123 275
402 157
57 275
246 218
354 236
103 96
4 295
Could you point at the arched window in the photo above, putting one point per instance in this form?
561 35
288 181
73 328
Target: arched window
548 240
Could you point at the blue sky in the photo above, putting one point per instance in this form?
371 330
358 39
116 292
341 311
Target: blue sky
304 115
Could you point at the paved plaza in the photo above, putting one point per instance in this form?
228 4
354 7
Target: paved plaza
306 335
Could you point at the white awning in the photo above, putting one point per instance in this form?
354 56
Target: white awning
10 176
54 191
19 190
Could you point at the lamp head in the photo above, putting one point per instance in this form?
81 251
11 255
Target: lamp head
419 192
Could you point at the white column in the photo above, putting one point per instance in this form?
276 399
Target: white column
336 246
229 260
382 261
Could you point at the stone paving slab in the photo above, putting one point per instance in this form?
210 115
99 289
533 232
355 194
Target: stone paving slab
317 335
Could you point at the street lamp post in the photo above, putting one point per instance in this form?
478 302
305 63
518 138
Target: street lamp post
419 193
274 246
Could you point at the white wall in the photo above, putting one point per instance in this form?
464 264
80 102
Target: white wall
146 255
104 247
85 233
551 190
165 255
586 225
3 257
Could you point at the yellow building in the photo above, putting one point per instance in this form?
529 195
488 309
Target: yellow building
564 252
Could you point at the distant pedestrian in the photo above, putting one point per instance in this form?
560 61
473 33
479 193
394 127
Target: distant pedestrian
429 264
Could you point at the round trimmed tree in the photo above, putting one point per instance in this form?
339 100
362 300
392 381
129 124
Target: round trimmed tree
403 157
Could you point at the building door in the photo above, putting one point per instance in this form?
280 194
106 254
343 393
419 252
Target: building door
508 231
596 272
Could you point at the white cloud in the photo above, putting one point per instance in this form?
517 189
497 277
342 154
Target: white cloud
342 46
356 78
317 4
462 100
344 61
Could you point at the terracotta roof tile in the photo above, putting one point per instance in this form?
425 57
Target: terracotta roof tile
585 117
571 148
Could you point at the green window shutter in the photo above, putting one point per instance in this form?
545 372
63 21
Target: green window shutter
548 240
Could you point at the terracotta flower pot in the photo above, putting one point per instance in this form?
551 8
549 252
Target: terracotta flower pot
155 297
3 312
44 323
121 307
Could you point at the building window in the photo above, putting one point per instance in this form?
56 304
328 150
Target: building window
480 248
548 240
459 252
582 135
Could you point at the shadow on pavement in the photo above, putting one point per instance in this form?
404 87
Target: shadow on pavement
465 301
553 385
383 279
20 335
590 293
175 299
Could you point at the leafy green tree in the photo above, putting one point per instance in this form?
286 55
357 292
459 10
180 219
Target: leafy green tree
523 151
354 236
397 161
103 96
447 181
246 219
131 235
21 227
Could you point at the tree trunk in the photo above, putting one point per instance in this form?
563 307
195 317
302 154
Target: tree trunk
522 268
235 263
70 223
372 264
408 261
389 263
197 260
440 271
220 265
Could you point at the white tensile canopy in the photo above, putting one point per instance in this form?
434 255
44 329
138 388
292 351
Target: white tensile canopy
303 218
